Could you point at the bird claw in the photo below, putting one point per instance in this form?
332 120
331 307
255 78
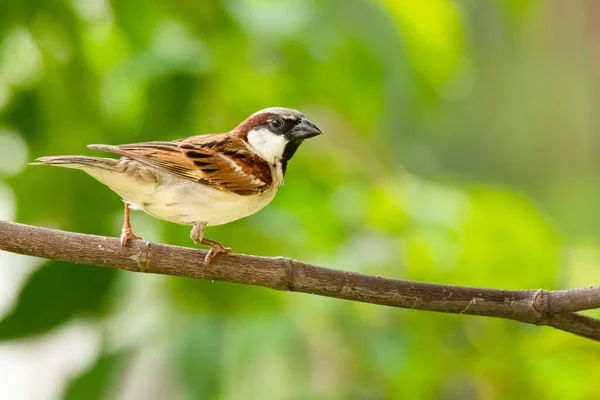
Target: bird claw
128 235
215 249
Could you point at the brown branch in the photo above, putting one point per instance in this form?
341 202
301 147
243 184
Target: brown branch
540 307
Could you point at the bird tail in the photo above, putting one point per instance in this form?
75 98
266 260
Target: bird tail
78 162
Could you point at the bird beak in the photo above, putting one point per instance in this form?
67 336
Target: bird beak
304 130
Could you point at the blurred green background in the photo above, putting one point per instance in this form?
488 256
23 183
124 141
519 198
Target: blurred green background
459 147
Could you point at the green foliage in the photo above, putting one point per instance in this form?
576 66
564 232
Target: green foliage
201 359
457 148
53 295
95 382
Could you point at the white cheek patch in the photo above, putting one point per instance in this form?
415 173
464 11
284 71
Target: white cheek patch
267 144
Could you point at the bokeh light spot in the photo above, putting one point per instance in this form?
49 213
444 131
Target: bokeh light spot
13 152
20 59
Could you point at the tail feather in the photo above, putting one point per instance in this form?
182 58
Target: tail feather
78 162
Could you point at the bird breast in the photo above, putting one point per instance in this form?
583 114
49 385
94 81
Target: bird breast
182 201
186 202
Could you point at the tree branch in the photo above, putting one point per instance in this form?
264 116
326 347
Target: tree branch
540 307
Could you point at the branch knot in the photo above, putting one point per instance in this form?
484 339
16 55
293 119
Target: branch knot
290 273
540 302
145 257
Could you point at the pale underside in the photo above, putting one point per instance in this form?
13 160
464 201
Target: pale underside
182 201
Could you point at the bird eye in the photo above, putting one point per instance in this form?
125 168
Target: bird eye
276 124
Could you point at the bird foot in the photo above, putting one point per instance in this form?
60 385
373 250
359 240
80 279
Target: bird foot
215 249
127 235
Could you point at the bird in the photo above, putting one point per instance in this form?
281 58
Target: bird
203 180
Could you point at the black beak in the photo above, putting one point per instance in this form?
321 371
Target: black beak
304 130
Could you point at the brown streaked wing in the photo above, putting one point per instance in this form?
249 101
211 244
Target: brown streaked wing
220 161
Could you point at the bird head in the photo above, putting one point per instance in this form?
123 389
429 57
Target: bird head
275 134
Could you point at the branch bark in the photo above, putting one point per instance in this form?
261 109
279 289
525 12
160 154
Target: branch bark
556 308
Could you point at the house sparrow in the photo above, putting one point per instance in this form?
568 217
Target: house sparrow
202 180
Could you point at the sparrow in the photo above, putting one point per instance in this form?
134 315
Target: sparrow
204 180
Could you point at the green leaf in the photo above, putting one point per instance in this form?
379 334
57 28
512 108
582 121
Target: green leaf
54 294
201 357
92 384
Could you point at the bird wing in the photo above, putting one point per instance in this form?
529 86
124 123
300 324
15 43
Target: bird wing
221 161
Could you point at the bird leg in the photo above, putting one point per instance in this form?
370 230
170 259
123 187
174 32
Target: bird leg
197 235
126 232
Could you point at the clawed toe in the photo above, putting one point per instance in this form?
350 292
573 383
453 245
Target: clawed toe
126 236
215 249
